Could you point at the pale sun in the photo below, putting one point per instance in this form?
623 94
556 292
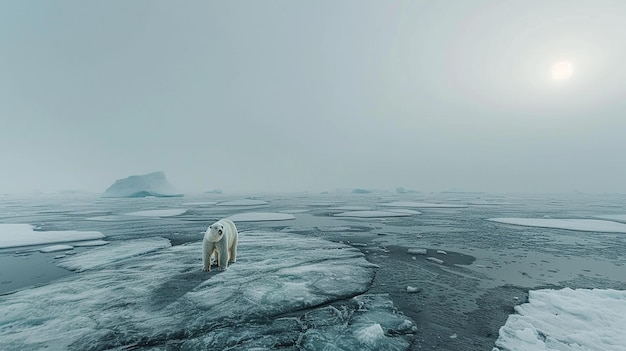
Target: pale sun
561 70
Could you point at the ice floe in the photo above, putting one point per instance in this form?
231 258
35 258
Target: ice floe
373 214
620 218
16 235
420 204
56 248
243 202
159 213
90 243
587 225
567 320
162 300
260 216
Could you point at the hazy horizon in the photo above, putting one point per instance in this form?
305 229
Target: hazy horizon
288 96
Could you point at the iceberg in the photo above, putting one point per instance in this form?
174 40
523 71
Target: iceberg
151 184
567 320
16 235
285 290
586 225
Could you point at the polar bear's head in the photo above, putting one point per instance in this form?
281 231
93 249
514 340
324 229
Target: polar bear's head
215 232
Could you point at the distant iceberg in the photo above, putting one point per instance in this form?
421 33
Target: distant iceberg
151 184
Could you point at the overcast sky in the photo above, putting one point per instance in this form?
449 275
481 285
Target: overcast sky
313 95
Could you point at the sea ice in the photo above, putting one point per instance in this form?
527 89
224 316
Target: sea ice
243 202
159 213
373 214
90 243
162 300
113 253
620 218
420 204
567 320
260 216
55 248
587 225
15 235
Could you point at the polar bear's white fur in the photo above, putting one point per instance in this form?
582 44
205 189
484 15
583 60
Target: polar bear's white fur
220 238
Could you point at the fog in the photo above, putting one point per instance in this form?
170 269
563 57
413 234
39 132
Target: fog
252 96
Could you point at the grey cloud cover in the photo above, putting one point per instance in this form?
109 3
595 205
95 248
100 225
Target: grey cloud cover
295 95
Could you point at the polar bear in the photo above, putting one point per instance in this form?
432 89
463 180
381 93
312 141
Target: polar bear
220 238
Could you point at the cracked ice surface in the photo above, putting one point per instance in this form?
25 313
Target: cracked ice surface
162 298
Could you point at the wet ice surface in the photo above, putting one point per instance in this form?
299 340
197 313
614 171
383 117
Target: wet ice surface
144 289
144 294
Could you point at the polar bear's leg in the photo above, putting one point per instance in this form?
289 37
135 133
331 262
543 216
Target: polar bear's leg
233 251
222 251
207 250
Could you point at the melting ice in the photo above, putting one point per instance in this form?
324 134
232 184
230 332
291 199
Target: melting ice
147 295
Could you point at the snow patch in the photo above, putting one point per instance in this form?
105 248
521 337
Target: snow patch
567 320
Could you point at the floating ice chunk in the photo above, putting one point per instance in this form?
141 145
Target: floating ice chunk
90 243
411 289
243 202
435 259
404 210
260 216
414 251
115 218
298 210
420 204
441 252
199 203
15 235
372 214
370 335
55 248
159 213
113 253
351 208
567 320
589 225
